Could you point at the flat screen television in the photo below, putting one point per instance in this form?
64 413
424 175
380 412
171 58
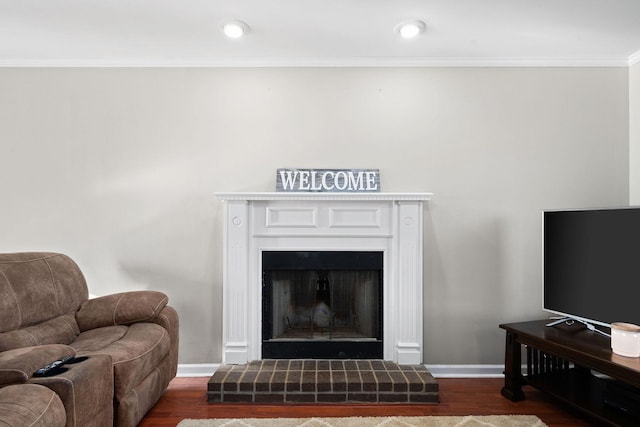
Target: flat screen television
591 264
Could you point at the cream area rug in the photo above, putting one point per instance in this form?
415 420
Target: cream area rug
428 421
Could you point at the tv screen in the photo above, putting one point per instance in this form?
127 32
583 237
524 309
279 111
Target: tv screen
591 264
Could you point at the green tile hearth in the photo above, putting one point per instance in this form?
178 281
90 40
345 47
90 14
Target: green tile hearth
322 381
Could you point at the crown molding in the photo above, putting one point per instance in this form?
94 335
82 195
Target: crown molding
303 62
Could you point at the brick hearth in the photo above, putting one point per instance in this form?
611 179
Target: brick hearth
322 381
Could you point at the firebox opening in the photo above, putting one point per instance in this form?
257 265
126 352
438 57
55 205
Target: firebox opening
322 304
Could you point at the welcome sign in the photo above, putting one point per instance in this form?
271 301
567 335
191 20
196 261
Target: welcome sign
328 180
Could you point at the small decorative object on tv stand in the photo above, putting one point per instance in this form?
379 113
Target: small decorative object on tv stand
625 339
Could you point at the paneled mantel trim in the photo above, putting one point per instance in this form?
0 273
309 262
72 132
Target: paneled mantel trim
265 196
383 222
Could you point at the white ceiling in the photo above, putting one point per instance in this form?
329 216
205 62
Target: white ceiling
318 32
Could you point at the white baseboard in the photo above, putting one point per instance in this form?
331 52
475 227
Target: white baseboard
466 371
197 370
438 371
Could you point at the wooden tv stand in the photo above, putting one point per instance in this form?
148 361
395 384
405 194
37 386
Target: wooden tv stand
561 361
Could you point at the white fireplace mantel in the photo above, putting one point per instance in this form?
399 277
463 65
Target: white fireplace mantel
399 197
387 222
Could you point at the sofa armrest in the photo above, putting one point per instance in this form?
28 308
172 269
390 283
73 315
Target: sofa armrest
168 319
123 308
18 365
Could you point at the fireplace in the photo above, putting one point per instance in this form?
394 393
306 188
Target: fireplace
322 304
323 275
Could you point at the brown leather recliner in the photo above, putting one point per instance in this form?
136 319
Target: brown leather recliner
125 346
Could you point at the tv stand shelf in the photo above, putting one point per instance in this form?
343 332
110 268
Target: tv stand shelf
561 361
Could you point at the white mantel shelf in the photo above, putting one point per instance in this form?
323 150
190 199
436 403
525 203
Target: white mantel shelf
325 196
288 221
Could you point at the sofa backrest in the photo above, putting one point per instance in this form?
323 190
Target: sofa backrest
39 295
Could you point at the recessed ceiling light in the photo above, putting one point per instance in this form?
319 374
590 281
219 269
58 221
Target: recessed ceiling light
235 29
411 29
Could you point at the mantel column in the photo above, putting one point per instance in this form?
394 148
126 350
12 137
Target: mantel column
408 300
236 278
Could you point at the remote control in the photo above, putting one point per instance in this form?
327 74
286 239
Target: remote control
53 368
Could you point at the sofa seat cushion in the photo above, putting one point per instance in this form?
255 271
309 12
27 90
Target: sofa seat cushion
31 405
135 350
95 340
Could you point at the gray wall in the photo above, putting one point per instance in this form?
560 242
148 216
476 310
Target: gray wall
118 168
634 134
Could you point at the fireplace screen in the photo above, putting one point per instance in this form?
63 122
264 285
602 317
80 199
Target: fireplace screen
322 304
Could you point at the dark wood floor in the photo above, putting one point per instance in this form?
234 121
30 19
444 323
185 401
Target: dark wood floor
186 398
